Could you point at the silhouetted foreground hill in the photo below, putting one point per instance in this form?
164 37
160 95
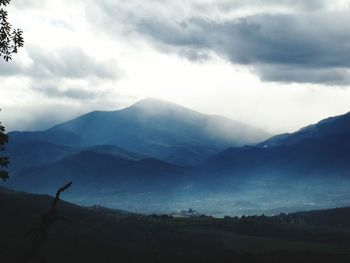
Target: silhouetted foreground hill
103 235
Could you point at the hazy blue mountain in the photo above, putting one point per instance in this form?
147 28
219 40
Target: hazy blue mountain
25 153
98 172
58 137
332 126
110 162
115 151
155 128
319 148
326 155
312 172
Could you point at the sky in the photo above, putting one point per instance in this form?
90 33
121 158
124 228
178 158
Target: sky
275 64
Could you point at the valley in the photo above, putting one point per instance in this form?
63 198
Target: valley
159 157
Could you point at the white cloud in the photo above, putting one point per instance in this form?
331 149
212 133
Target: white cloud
121 66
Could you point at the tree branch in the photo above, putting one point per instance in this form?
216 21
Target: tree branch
40 232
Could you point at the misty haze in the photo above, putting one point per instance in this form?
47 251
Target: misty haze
186 131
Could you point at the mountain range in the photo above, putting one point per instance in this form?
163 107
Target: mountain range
322 148
175 157
151 127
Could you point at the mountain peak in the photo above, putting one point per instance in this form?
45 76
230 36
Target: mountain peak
158 107
150 103
155 128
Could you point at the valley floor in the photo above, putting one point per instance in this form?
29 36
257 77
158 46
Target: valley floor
103 235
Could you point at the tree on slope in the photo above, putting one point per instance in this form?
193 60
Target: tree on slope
10 41
3 160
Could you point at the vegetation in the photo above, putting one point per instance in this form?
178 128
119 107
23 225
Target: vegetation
98 234
10 41
3 160
101 235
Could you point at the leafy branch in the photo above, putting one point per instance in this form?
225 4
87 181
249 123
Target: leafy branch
10 39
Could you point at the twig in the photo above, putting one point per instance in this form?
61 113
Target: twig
40 232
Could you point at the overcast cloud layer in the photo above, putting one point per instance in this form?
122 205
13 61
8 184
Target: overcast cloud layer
242 59
284 41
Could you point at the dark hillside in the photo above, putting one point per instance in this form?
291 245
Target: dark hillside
102 235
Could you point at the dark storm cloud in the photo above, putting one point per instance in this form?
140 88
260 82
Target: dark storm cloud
71 63
281 40
293 4
291 48
327 76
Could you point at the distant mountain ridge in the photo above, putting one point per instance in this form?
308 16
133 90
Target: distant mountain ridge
152 127
94 171
322 148
338 125
165 155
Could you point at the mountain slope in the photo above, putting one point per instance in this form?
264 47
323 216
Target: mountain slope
320 148
338 125
155 128
25 153
302 173
99 172
320 155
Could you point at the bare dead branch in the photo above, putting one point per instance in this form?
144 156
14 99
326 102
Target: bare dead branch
40 232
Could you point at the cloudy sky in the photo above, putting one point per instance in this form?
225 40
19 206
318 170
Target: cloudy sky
275 64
